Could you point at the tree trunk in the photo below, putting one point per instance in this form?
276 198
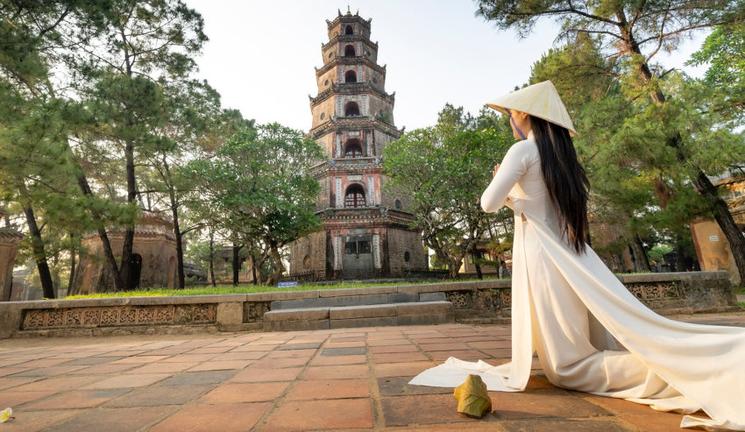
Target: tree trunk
478 267
181 279
129 232
454 266
176 227
642 260
680 257
73 268
277 265
212 258
475 258
108 252
703 185
253 269
236 264
37 246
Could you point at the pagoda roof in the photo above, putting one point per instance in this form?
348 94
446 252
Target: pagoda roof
364 164
8 233
349 38
365 217
350 61
351 88
354 123
347 18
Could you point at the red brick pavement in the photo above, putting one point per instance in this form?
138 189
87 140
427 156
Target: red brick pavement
347 379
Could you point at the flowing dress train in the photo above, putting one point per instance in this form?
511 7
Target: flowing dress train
589 332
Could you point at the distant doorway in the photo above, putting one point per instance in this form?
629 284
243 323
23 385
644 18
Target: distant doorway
135 270
357 262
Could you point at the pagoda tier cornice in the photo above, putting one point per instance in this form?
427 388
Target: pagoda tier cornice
358 165
350 61
351 89
366 216
349 18
354 123
349 38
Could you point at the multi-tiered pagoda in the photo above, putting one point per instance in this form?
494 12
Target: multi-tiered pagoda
365 228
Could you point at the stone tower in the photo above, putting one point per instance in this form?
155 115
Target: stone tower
365 228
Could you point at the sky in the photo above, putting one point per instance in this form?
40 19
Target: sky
261 55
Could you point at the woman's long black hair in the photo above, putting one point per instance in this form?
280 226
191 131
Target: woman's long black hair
565 179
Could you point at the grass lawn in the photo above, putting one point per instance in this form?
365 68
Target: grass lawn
245 289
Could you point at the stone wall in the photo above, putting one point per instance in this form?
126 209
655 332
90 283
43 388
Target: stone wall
308 256
666 293
403 244
487 301
712 248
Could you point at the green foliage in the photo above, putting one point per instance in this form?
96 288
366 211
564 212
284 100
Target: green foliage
724 53
259 184
638 182
95 98
447 166
657 252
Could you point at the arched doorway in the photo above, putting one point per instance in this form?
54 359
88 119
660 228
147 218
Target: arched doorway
349 30
350 76
135 271
349 51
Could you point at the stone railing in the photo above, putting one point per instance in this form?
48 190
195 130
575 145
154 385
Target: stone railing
487 300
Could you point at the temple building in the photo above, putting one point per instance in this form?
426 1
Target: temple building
153 262
366 230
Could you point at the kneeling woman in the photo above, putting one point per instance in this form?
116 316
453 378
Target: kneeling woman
562 290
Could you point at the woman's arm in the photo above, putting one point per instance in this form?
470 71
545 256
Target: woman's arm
513 166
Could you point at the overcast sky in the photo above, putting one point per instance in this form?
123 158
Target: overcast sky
261 55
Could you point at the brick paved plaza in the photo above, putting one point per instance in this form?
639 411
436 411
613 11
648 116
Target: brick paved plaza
347 379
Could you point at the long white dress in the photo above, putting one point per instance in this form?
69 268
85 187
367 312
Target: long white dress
590 333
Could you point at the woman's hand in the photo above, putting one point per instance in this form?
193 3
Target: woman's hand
494 172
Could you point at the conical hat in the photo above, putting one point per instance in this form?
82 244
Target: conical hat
539 100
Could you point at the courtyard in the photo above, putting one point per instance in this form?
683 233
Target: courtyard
344 379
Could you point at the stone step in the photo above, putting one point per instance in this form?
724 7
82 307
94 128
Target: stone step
356 300
386 314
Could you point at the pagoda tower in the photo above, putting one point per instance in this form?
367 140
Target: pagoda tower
366 230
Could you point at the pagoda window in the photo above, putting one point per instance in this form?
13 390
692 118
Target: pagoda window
349 30
355 196
351 109
353 148
349 51
350 76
